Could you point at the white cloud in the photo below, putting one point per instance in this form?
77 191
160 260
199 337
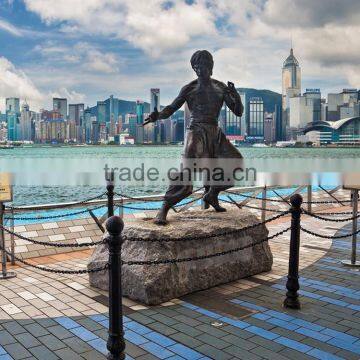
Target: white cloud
13 30
146 24
82 54
71 95
15 83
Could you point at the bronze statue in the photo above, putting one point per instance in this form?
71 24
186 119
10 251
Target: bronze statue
204 139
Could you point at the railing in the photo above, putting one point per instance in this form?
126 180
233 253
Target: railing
114 239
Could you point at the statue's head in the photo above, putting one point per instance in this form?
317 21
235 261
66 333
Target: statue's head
202 62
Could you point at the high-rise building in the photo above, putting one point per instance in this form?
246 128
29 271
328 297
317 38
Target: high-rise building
235 125
152 131
13 105
154 99
60 105
269 127
139 139
303 110
101 112
291 86
12 118
256 119
76 113
26 123
87 124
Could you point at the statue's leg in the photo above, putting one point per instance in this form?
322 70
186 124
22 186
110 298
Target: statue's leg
211 197
206 190
173 195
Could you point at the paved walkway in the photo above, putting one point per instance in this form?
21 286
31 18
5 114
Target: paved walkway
51 316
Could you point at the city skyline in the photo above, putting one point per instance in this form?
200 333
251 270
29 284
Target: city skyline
69 51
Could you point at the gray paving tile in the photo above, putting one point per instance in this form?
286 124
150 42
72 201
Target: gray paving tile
213 352
36 330
77 345
17 351
52 342
186 340
43 353
68 354
6 338
27 340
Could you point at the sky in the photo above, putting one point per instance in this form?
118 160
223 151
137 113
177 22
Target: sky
86 50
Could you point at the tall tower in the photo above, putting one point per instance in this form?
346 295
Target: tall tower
291 87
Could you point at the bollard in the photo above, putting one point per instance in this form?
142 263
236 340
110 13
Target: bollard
292 284
353 262
4 273
309 198
115 343
110 194
263 204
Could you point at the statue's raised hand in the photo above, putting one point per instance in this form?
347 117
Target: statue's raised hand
154 116
231 87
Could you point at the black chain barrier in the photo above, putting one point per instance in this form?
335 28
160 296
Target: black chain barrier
249 206
58 271
283 201
328 236
328 219
58 206
147 199
202 257
203 237
54 216
48 243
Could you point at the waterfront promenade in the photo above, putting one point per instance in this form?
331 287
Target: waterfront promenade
50 316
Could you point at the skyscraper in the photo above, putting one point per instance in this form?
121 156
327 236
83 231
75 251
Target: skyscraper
26 123
139 121
291 86
101 112
153 129
235 125
60 105
12 118
256 119
76 113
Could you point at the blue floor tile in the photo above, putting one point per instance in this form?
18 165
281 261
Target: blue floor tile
322 355
99 345
313 334
5 357
185 352
284 324
262 332
296 345
136 327
134 338
83 333
159 339
157 350
67 323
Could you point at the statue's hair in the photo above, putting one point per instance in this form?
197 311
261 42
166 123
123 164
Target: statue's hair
201 56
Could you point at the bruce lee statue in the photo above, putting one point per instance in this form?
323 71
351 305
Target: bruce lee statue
204 138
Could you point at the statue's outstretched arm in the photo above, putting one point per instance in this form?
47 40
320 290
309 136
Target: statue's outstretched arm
233 100
178 102
167 111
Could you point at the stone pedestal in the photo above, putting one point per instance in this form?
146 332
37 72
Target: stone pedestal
154 284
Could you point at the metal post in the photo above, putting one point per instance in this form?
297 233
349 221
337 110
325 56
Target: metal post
292 298
12 240
115 343
110 194
263 205
4 273
353 262
309 198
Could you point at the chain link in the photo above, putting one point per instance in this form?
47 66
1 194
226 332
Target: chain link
58 271
58 206
329 236
195 258
209 236
327 219
250 207
47 243
54 216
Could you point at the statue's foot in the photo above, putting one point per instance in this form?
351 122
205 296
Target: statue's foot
205 205
160 218
212 200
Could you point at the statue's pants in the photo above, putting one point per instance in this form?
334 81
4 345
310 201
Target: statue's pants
206 146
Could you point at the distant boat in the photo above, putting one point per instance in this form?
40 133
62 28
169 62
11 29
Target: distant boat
6 146
290 143
260 145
